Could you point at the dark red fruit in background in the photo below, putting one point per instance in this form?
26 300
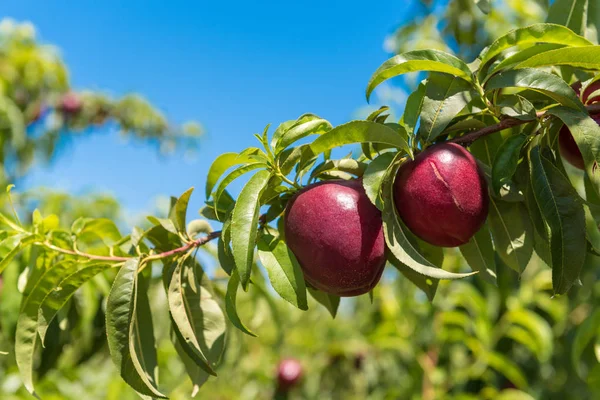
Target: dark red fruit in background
568 147
566 143
442 195
289 373
585 98
71 103
336 234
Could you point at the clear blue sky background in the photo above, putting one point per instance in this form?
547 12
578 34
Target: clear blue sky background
233 66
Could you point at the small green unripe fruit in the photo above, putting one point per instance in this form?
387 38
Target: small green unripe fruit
442 195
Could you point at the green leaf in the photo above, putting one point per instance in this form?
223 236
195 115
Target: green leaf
26 335
375 114
484 5
522 55
122 328
426 284
233 175
586 133
537 33
412 110
506 161
13 243
589 329
419 60
244 223
374 176
445 97
284 270
513 394
581 16
329 301
578 57
516 106
306 125
537 327
224 252
479 254
358 132
60 295
196 314
179 211
196 374
512 233
142 333
507 368
231 307
221 164
539 81
398 242
563 212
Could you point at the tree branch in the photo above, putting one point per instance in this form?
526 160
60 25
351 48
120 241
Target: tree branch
196 243
505 123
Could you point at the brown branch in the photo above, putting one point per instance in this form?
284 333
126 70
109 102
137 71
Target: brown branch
196 243
505 123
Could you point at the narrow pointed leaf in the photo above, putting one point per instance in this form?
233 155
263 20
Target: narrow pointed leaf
120 326
540 81
537 33
284 270
26 335
506 161
374 176
196 314
58 297
512 233
419 60
329 301
359 132
244 224
560 205
231 305
179 211
479 253
233 175
445 96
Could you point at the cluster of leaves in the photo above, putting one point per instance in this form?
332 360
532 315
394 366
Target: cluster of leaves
507 106
33 82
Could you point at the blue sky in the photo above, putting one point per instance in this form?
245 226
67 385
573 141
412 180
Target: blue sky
233 66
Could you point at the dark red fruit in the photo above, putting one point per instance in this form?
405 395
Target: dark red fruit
568 147
71 103
566 143
585 98
336 234
289 373
442 195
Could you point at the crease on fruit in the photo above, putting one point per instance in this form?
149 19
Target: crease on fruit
439 176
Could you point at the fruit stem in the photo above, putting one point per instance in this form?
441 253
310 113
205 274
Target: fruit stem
507 122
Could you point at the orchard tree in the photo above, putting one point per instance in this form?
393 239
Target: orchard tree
38 107
475 162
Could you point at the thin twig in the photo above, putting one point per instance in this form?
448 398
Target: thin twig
194 244
505 123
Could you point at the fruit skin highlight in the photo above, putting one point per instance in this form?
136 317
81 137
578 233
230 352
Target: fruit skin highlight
336 234
442 195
